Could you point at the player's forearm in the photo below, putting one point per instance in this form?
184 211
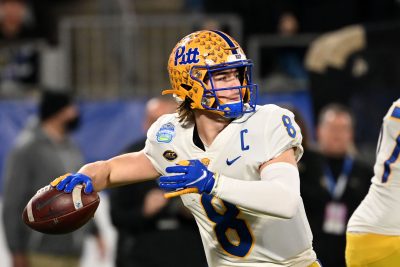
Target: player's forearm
120 170
99 172
277 194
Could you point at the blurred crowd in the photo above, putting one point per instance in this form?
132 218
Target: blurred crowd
349 69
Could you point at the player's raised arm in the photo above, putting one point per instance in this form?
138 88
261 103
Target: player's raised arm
123 169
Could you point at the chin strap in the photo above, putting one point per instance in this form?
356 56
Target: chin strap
232 110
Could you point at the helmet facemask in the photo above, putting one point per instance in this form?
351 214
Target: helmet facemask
246 91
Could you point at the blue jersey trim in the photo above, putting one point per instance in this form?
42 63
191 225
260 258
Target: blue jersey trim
396 113
393 157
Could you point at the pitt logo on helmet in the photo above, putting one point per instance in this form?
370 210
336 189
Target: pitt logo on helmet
186 58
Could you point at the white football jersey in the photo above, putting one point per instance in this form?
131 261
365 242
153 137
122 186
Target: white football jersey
231 235
379 212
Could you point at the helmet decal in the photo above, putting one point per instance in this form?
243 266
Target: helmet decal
182 58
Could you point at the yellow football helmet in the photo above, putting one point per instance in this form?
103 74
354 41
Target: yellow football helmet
196 58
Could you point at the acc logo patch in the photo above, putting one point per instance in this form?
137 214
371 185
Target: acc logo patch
166 133
170 155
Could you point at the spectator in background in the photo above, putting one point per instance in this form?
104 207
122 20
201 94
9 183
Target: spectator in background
43 148
16 22
19 53
333 184
145 220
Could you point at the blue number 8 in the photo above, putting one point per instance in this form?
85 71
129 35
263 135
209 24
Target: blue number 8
224 222
289 126
396 151
393 158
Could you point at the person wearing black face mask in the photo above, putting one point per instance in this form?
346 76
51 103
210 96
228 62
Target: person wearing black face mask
42 149
58 111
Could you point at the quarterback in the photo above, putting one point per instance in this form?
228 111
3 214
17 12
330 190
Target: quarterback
233 163
373 231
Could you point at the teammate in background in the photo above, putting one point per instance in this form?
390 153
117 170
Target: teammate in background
233 163
373 232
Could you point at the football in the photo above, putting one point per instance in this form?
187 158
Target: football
55 212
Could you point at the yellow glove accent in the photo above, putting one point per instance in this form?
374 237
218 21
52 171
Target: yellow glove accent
184 163
56 181
181 192
205 161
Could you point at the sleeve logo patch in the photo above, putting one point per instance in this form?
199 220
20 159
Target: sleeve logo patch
166 133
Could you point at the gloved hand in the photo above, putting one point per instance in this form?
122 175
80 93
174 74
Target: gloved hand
332 49
192 176
68 181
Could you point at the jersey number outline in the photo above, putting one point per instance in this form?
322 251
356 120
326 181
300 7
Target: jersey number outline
228 220
396 150
289 126
392 159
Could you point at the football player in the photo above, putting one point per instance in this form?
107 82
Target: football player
373 231
233 163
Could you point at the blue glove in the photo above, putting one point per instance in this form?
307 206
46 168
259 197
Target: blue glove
68 181
192 174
